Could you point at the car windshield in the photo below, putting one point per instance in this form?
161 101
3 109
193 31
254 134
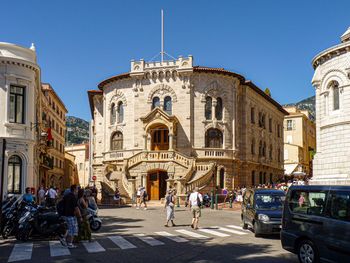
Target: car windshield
269 201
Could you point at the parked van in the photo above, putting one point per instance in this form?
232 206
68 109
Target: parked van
316 223
262 210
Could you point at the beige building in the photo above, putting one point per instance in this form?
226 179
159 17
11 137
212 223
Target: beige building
299 143
81 154
174 124
53 116
70 169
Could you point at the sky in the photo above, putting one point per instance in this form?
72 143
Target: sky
82 42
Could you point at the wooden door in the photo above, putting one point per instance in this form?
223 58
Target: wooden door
153 186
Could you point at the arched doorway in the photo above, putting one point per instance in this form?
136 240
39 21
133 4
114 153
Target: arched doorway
159 138
156 184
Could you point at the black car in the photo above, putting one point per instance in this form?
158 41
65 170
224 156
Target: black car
316 223
262 210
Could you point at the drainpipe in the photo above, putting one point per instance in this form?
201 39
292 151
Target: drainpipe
2 175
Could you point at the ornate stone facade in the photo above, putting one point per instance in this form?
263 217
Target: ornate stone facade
174 124
332 83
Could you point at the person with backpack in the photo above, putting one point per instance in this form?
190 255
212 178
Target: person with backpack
195 202
143 197
169 206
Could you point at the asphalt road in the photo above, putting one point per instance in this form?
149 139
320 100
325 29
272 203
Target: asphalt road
130 235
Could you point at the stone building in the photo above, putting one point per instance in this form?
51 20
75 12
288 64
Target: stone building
53 116
81 154
70 169
19 95
332 84
174 124
299 143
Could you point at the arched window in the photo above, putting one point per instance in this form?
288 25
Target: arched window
155 102
14 174
208 104
222 178
120 112
117 141
168 105
113 113
218 109
213 138
335 86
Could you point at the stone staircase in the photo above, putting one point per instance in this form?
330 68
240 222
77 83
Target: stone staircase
201 176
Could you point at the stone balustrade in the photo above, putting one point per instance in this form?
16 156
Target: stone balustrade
214 153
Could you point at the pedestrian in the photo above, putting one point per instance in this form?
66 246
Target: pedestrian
28 197
138 197
41 196
51 196
116 196
143 197
94 192
72 215
195 201
90 199
170 208
187 198
84 227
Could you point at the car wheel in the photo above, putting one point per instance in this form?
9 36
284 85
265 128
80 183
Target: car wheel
307 252
245 225
256 231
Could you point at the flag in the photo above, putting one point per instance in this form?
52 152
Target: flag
49 135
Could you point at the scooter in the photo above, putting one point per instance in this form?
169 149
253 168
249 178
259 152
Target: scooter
94 221
41 221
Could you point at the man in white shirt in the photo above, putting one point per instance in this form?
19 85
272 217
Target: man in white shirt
51 196
195 201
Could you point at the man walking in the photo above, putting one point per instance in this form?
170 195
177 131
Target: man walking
51 196
72 213
195 201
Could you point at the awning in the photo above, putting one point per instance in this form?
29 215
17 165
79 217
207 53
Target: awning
290 168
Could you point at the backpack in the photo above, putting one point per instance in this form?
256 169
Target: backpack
199 203
60 207
144 194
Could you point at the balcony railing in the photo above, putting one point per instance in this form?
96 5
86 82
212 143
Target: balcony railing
213 153
47 162
118 155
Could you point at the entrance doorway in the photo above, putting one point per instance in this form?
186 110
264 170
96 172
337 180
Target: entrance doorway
160 138
156 184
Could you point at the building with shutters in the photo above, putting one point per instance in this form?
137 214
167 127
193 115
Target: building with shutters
175 124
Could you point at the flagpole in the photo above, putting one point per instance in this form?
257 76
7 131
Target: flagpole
162 36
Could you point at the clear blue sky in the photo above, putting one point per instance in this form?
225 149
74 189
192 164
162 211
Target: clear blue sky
81 42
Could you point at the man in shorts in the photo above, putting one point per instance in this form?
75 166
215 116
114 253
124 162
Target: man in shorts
72 214
195 201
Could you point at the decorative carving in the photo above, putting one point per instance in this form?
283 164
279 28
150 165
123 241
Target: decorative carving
118 96
162 90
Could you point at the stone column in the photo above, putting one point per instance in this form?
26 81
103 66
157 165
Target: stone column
218 177
171 142
144 179
213 109
145 141
148 142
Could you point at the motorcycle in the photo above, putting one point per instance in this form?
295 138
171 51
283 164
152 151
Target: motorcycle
41 221
94 221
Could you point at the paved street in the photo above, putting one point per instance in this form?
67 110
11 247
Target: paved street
130 235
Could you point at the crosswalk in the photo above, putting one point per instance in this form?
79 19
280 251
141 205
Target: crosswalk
24 251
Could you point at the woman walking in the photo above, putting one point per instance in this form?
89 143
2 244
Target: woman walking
84 227
170 208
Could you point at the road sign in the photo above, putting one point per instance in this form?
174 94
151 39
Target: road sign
94 177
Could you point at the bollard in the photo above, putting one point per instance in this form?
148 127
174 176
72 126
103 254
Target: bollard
216 202
178 201
230 202
212 200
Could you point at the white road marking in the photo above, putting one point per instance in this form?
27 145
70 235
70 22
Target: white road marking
22 251
238 227
149 240
121 242
57 250
229 230
191 234
93 247
213 232
172 237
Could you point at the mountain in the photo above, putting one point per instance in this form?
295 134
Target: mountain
77 130
306 104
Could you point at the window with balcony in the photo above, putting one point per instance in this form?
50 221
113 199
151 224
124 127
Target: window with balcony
252 147
253 178
155 102
14 174
117 141
168 105
213 138
218 109
208 108
270 124
17 104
